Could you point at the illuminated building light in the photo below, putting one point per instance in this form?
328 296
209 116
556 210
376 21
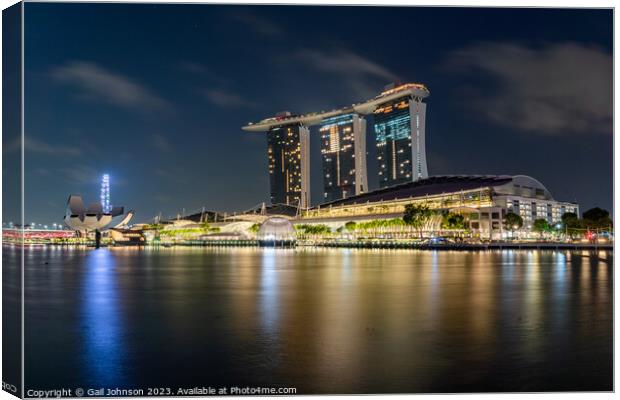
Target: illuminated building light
105 194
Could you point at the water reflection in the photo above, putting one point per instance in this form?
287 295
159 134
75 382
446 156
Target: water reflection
104 349
323 320
269 305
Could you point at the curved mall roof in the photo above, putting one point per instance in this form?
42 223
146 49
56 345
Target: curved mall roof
520 185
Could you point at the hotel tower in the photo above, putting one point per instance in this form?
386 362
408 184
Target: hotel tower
343 148
399 125
400 137
288 149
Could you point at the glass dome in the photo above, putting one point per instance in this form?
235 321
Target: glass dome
276 229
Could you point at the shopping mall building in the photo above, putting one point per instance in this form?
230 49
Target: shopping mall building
484 201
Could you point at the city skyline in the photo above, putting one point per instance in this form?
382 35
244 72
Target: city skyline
168 132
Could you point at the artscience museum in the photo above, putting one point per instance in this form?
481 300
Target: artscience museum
94 218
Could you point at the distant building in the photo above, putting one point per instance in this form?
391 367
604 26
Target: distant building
343 148
288 148
531 200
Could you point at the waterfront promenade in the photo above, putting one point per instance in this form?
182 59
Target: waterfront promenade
472 246
411 245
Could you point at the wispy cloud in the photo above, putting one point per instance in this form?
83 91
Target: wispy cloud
172 173
96 82
163 198
223 98
359 73
194 67
258 24
38 146
81 175
553 90
161 142
204 71
87 175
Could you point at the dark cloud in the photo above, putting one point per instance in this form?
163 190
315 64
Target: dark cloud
257 23
203 71
81 175
86 175
38 146
160 142
98 83
360 74
223 98
552 90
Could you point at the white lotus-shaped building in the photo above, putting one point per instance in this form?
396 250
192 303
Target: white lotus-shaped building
80 218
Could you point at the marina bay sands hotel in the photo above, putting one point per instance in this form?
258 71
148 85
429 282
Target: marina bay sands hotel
399 122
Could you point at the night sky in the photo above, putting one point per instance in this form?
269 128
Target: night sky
155 95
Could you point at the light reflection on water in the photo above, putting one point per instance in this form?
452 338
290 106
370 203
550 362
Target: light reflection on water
269 291
322 320
103 343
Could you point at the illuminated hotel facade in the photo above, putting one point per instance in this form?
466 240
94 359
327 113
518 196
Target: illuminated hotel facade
399 130
343 149
400 135
288 149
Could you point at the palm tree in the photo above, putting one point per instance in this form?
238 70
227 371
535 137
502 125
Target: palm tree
416 216
350 226
453 221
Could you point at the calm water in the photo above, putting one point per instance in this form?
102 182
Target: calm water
320 320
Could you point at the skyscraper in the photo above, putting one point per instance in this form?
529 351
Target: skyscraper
288 149
399 127
343 148
105 193
400 136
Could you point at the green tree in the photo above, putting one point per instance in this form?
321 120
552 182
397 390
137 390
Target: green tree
417 216
541 226
453 221
596 218
254 228
571 223
513 221
567 217
309 229
155 227
350 226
